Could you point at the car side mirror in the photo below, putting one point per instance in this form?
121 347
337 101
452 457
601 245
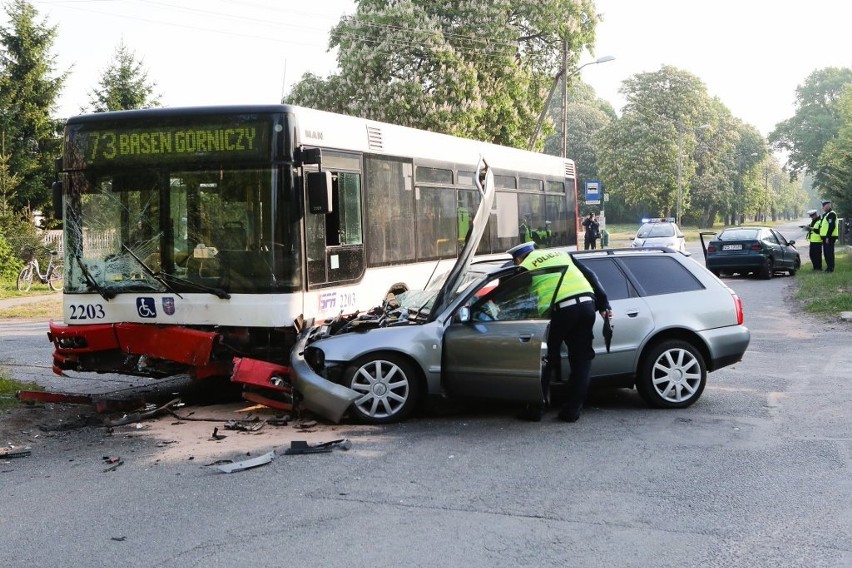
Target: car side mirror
463 315
791 243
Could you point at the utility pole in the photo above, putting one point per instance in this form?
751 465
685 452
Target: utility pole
563 138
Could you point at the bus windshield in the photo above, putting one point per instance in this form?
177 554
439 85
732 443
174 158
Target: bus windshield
175 229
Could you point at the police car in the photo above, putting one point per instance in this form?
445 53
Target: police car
660 232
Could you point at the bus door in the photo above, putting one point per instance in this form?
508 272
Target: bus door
335 240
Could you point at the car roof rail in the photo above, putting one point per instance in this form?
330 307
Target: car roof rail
624 250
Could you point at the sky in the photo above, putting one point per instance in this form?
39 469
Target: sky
751 54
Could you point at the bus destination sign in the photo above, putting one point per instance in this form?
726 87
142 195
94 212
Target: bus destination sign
127 146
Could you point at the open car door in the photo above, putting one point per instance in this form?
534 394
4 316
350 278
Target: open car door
494 347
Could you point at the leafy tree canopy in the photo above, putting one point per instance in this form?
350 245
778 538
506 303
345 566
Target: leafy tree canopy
834 171
816 122
28 93
124 85
461 67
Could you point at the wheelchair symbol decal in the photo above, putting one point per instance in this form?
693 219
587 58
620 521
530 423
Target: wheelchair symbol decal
146 307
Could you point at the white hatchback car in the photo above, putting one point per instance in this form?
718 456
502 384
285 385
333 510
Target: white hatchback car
660 232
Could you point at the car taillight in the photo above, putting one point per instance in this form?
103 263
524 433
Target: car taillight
756 246
711 248
738 306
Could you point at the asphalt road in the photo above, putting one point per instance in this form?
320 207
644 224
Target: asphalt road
756 474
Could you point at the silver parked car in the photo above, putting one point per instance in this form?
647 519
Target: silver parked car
483 337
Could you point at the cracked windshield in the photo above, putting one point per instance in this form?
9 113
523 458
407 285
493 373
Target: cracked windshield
183 231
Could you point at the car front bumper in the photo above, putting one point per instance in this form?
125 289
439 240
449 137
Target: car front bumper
319 395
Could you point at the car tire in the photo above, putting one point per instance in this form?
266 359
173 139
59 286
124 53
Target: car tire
797 264
768 269
389 385
672 375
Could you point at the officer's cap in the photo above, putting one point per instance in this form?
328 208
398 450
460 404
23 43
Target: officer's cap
824 203
812 212
521 249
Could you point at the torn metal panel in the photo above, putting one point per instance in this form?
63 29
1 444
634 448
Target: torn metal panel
247 464
319 395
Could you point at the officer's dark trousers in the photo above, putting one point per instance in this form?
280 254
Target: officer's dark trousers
589 243
572 325
816 255
828 252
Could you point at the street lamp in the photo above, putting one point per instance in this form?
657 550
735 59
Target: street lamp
680 165
564 115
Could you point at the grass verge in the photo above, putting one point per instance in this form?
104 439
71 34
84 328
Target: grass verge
822 293
49 307
8 389
9 290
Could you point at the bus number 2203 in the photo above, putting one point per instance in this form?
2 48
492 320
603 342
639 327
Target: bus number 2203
87 311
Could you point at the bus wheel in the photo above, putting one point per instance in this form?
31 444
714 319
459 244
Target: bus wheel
389 386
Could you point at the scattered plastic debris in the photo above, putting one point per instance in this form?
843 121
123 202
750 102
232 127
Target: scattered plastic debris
252 425
302 447
216 436
247 464
115 461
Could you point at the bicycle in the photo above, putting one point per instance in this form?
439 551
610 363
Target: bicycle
52 275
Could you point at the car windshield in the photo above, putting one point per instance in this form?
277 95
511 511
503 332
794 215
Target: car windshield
655 230
423 299
739 235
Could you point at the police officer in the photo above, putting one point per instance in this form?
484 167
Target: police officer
572 298
829 231
815 240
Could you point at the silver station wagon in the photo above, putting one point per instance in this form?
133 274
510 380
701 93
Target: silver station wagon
482 336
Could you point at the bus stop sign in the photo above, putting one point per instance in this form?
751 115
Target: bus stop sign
593 192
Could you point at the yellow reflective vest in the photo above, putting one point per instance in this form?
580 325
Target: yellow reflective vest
829 218
813 232
573 283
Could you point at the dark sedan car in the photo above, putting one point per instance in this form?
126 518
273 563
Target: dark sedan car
752 250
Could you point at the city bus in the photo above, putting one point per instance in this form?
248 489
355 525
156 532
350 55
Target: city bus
199 240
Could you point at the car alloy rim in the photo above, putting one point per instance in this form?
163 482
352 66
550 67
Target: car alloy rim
384 388
676 375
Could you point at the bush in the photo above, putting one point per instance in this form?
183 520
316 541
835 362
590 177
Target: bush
16 234
10 264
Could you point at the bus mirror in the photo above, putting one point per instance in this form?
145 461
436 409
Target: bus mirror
319 192
57 200
312 156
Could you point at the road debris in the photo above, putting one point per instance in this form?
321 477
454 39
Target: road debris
137 416
252 425
216 436
13 452
115 461
247 464
298 447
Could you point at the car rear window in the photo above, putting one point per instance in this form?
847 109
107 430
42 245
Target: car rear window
611 277
661 275
739 235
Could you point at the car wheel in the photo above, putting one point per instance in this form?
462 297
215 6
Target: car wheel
768 270
673 375
797 264
389 386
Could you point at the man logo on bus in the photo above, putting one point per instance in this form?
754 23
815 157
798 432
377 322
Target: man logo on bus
169 306
146 307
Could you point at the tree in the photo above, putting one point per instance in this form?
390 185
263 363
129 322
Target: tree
638 155
124 84
461 67
834 171
28 93
816 122
587 116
